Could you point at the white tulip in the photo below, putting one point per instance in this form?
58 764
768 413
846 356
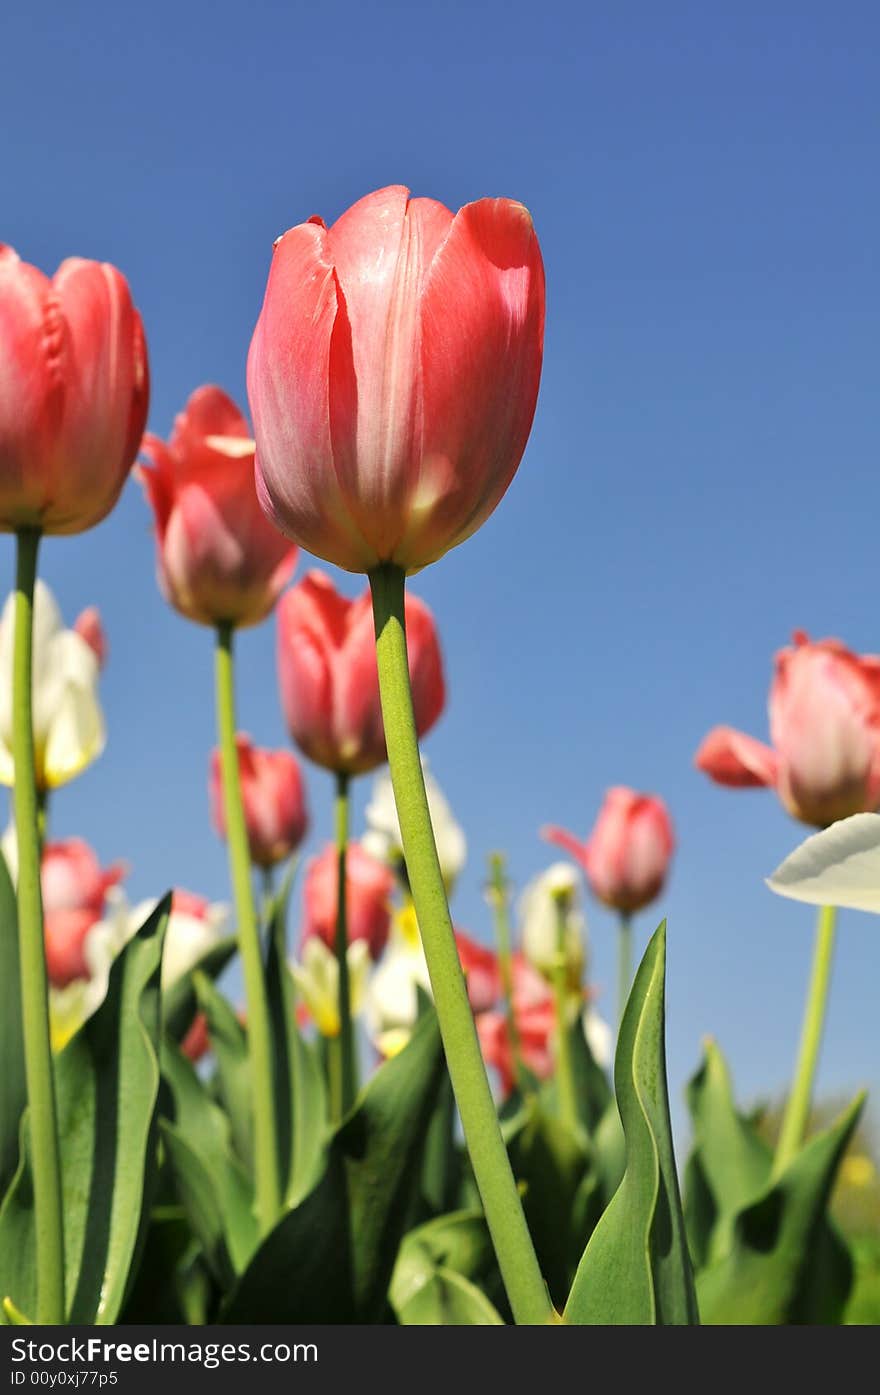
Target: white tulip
317 978
382 838
538 910
68 722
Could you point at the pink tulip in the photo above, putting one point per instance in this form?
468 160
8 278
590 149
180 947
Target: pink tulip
196 1042
393 375
481 972
369 885
825 728
74 890
627 855
274 801
88 626
74 389
219 558
329 680
534 1011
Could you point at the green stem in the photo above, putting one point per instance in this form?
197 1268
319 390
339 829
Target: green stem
500 906
624 965
564 1066
344 1075
45 1153
501 1203
259 1036
797 1109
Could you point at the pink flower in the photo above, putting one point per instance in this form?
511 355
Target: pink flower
274 801
88 626
825 728
196 1042
219 558
481 972
626 857
369 885
74 389
329 680
393 375
74 890
535 1015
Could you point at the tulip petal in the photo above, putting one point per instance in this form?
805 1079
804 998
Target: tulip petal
482 329
838 867
573 846
301 340
729 757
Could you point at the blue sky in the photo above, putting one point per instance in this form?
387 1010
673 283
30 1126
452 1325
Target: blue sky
702 476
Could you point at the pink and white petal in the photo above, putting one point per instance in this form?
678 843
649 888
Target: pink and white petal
729 757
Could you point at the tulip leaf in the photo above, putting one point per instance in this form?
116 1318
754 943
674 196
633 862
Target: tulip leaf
229 1045
459 1242
154 1296
549 1162
592 1090
636 1268
299 1079
446 1298
442 1163
13 1088
107 1085
767 1276
213 1186
335 1252
179 1001
730 1161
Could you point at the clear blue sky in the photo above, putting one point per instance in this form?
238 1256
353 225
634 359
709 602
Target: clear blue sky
703 472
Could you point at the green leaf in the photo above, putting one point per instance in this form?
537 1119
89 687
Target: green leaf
592 1090
459 1241
550 1163
229 1044
446 1299
636 1268
13 1088
179 1001
331 1258
107 1084
441 1166
767 1277
153 1296
299 1080
213 1186
731 1162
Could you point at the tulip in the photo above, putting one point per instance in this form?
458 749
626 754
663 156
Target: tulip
74 389
824 762
71 1004
317 978
383 838
195 926
368 891
274 801
546 896
329 680
74 891
196 1042
394 989
67 720
393 375
626 857
219 559
88 625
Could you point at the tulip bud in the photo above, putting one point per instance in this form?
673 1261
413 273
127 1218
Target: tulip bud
627 856
274 801
329 680
383 838
219 558
552 894
825 727
393 375
367 899
74 388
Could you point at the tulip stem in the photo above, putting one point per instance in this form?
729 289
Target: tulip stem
500 907
797 1109
624 965
266 1162
501 1202
564 1067
43 1119
343 1075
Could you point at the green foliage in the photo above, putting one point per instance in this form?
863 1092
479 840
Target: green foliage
636 1268
107 1080
13 1090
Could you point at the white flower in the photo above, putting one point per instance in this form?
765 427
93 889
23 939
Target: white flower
194 927
68 722
838 867
317 978
392 1005
382 838
600 1038
538 909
